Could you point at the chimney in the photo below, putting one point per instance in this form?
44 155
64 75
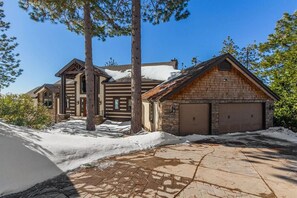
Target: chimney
175 63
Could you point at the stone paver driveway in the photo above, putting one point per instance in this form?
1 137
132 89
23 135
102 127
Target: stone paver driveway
185 170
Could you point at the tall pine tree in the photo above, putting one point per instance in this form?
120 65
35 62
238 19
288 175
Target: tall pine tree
90 18
279 66
155 12
247 56
230 47
9 62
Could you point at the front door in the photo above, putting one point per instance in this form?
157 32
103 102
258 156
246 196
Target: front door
83 107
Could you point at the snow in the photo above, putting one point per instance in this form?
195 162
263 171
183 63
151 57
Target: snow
118 74
31 156
277 133
280 133
160 72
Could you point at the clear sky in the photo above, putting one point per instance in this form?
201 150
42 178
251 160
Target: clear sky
45 48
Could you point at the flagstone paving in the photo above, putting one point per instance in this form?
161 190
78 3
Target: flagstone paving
186 170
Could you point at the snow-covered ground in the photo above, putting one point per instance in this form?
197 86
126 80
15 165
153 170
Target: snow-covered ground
30 156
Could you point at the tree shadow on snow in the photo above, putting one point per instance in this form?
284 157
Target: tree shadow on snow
25 136
21 168
60 186
109 128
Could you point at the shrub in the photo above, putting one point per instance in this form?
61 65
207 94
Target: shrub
20 110
285 113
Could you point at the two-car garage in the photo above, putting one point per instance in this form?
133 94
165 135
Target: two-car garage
215 97
232 117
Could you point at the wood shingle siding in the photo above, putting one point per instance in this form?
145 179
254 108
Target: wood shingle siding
122 92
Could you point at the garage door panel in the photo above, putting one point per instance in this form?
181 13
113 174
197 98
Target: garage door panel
194 119
240 117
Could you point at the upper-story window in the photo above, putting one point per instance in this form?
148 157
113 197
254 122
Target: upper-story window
83 88
48 99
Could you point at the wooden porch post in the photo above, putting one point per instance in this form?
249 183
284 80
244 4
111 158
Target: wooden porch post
63 95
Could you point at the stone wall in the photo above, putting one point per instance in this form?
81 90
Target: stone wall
214 87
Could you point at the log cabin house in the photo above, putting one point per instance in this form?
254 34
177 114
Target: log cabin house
216 96
112 84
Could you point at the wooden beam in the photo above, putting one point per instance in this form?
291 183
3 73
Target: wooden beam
63 95
73 72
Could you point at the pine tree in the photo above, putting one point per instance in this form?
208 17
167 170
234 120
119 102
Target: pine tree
90 18
230 47
9 62
279 66
154 12
248 56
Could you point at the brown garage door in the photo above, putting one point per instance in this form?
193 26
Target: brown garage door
194 119
240 117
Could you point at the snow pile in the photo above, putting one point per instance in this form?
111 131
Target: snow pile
280 133
30 156
161 72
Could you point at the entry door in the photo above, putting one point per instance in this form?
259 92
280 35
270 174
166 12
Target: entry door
83 107
194 119
240 117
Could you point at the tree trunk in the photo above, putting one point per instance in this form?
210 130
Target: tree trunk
136 113
89 70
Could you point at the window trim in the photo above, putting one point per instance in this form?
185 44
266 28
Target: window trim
113 104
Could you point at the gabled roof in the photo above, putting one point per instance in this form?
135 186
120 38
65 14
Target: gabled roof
121 73
31 93
54 88
170 87
82 64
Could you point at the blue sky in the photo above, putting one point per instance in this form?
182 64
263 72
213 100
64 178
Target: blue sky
44 47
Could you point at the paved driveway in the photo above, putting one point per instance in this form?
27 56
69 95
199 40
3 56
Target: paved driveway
204 169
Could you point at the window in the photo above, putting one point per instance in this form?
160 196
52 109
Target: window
68 103
48 99
129 105
83 89
116 104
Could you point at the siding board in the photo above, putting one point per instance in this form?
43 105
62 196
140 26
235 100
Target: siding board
121 91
